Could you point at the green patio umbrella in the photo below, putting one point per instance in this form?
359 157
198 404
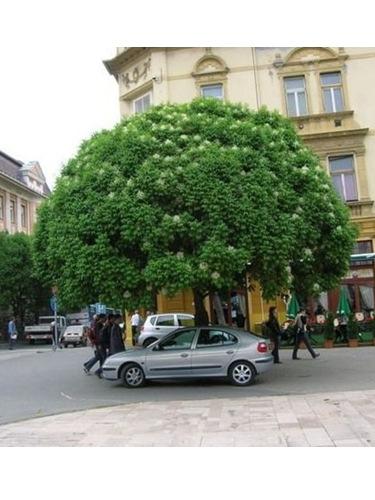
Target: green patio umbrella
343 307
293 306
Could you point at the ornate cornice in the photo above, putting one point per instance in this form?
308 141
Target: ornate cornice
130 54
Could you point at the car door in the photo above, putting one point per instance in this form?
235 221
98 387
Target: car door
165 323
171 357
213 352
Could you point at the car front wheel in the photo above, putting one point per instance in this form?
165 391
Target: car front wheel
133 376
241 373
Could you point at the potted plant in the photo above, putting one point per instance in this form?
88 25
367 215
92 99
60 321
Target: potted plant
353 331
372 329
329 331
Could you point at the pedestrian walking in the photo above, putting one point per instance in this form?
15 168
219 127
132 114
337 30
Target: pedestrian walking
117 341
274 333
104 343
12 332
135 322
302 335
94 336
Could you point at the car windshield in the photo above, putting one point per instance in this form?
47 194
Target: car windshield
45 321
74 329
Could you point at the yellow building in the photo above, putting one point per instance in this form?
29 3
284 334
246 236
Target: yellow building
328 93
22 188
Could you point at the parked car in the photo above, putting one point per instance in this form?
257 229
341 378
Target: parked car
158 326
195 352
75 335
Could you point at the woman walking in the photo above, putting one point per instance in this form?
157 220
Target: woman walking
116 342
274 332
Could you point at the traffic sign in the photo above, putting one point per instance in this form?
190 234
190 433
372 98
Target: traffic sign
53 303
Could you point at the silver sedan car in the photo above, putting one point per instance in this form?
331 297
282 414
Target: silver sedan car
195 352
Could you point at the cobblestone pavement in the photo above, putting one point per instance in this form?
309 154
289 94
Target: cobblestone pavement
326 419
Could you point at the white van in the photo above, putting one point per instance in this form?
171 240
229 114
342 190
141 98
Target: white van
75 335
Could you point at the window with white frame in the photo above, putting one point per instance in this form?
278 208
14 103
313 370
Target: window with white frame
213 90
1 206
23 215
343 176
295 93
331 84
12 209
142 103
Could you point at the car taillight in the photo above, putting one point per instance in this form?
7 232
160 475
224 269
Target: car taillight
262 347
142 328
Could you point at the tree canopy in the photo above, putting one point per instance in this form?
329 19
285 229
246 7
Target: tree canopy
192 196
20 290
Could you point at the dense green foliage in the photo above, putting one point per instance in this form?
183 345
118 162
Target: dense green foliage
20 291
192 195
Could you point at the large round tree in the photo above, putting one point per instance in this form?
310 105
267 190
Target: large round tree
192 196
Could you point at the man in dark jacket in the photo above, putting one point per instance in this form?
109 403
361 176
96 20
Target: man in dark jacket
104 342
302 335
94 336
274 333
117 342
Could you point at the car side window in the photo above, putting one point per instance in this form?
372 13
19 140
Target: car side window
214 338
229 338
179 340
185 320
167 320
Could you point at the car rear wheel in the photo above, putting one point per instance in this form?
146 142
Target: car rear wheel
242 373
133 376
149 341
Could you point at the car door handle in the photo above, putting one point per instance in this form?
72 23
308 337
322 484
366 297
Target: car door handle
230 352
184 355
157 328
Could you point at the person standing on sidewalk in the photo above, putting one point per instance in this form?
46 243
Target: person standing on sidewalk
274 333
135 322
302 335
94 336
12 333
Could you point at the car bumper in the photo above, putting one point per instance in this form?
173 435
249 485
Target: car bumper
109 372
72 340
263 364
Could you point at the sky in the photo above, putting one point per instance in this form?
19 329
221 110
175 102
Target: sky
51 99
54 89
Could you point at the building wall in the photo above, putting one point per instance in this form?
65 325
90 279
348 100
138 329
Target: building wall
255 76
10 192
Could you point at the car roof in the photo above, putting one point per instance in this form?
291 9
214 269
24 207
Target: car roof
171 314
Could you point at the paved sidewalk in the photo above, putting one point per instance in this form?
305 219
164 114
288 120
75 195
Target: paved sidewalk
327 419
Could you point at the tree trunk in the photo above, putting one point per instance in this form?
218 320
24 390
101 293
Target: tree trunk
219 309
201 316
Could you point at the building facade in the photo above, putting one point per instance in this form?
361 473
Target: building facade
22 188
327 92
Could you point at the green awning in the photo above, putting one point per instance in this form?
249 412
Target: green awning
293 306
343 307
